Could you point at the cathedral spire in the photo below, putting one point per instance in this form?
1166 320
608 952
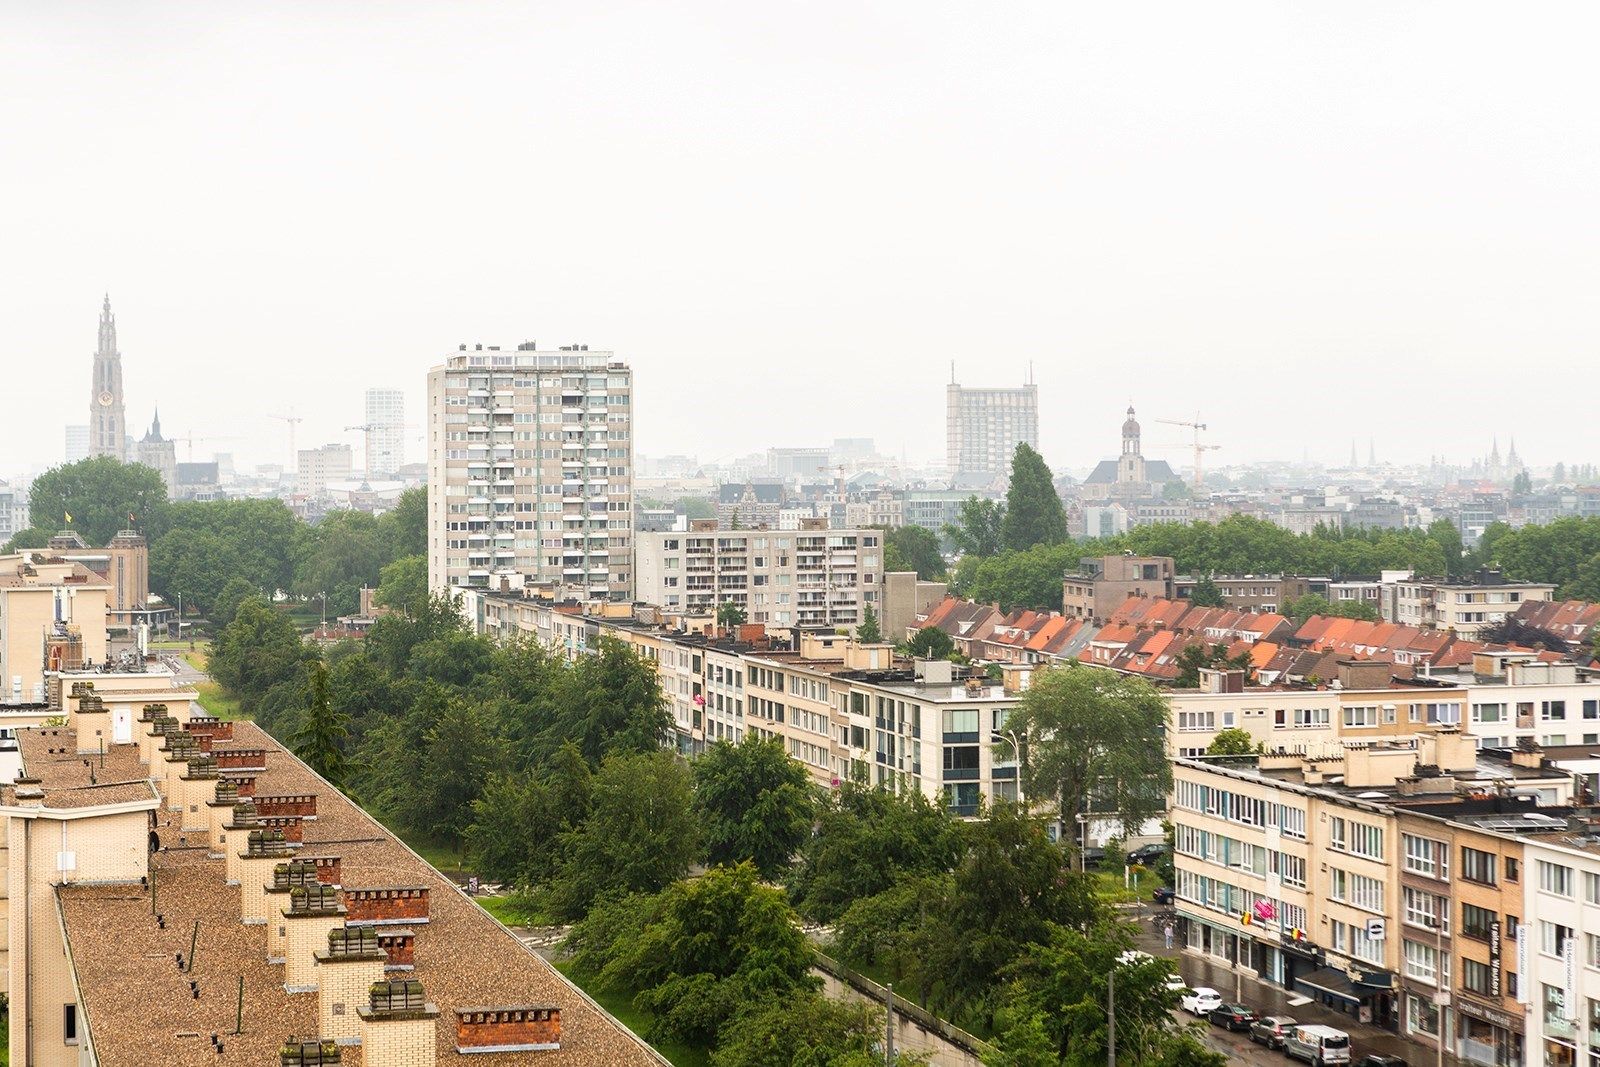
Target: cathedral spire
107 433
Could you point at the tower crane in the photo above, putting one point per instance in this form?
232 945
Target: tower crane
1200 450
366 430
293 420
190 438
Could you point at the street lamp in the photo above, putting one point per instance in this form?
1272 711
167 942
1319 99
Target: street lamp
1441 995
995 737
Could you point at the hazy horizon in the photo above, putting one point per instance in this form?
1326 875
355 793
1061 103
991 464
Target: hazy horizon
1310 224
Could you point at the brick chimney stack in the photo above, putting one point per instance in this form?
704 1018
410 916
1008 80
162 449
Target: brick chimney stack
285 876
398 1025
264 849
344 971
524 1028
242 819
313 911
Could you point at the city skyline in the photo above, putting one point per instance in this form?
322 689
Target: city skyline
1384 206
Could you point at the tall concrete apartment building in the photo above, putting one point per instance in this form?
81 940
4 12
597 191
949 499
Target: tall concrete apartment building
316 467
385 432
983 428
108 431
813 576
530 469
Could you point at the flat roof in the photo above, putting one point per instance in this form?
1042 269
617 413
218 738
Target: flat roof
139 1006
70 779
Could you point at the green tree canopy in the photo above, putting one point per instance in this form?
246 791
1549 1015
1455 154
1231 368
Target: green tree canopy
1096 741
227 601
754 803
403 584
1206 594
930 642
103 495
977 530
806 1029
1034 514
258 650
1231 741
730 614
868 632
323 730
913 548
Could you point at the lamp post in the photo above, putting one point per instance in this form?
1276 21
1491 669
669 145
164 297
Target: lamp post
1441 995
995 737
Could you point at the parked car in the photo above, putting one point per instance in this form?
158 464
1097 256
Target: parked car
1201 1001
1380 1061
1093 857
1165 895
1175 984
1317 1045
1232 1016
1133 956
1145 855
1270 1030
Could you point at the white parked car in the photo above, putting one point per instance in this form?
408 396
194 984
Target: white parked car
1200 1002
1175 984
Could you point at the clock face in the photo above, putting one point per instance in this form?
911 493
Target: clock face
105 400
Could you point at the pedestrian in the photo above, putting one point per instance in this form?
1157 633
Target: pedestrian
1167 933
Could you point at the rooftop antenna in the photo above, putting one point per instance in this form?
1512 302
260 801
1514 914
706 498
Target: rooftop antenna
952 372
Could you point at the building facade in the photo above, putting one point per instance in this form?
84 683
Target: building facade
316 468
810 577
159 454
530 471
1104 582
983 428
385 432
1465 605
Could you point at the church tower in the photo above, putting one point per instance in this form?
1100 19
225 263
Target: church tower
1130 465
107 427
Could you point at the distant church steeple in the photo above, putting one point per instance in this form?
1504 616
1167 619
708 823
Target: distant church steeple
107 423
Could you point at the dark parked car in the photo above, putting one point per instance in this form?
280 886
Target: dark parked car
1164 895
1233 1016
1380 1061
1270 1030
1145 855
1093 857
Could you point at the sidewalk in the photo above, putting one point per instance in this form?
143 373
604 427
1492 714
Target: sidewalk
1267 998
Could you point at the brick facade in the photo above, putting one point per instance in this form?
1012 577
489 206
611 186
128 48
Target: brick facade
508 1029
303 805
402 905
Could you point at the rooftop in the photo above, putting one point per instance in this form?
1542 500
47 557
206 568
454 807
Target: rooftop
141 1009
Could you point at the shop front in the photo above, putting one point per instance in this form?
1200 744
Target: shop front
1487 1035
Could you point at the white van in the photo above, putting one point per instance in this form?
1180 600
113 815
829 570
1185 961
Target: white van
1317 1045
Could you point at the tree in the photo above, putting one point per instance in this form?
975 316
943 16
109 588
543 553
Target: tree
977 529
258 650
207 544
102 494
698 954
1206 594
606 703
1034 514
336 557
227 601
460 752
640 835
1231 741
868 633
1522 484
754 803
806 1029
405 526
730 615
930 642
1193 658
323 731
1096 742
403 584
913 548
1448 535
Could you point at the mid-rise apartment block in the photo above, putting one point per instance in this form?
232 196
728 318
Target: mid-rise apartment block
810 577
52 617
317 468
1465 605
983 428
1104 583
530 471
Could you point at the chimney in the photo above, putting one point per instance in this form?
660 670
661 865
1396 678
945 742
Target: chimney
313 911
328 868
399 944
285 876
220 808
319 1053
303 805
264 849
241 816
350 964
388 906
398 1025
526 1028
195 787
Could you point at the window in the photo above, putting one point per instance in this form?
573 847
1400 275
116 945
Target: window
1476 921
1366 715
1477 977
1424 910
1307 718
1552 936
1336 834
1555 878
1426 856
1422 1017
1423 963
1553 711
1478 866
1488 713
69 1023
1591 887
1357 890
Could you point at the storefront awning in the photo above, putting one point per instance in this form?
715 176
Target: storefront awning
1331 981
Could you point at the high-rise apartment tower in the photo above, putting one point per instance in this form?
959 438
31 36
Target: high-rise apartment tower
385 433
530 471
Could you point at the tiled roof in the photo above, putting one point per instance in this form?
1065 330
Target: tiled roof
139 1006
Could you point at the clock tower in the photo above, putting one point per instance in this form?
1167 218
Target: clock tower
107 429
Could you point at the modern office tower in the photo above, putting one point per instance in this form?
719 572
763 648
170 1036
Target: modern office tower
108 434
530 471
385 432
77 442
983 428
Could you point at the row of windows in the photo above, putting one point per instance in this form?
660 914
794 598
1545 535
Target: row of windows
1244 810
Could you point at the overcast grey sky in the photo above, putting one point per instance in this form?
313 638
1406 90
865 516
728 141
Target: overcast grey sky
1310 222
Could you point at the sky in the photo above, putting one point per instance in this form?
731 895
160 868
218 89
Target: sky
1309 223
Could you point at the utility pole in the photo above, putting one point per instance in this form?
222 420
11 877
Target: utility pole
888 1028
1111 1017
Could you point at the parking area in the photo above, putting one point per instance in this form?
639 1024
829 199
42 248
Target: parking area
1266 998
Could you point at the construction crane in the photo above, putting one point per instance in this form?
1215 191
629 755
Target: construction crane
1200 450
189 439
293 420
366 438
